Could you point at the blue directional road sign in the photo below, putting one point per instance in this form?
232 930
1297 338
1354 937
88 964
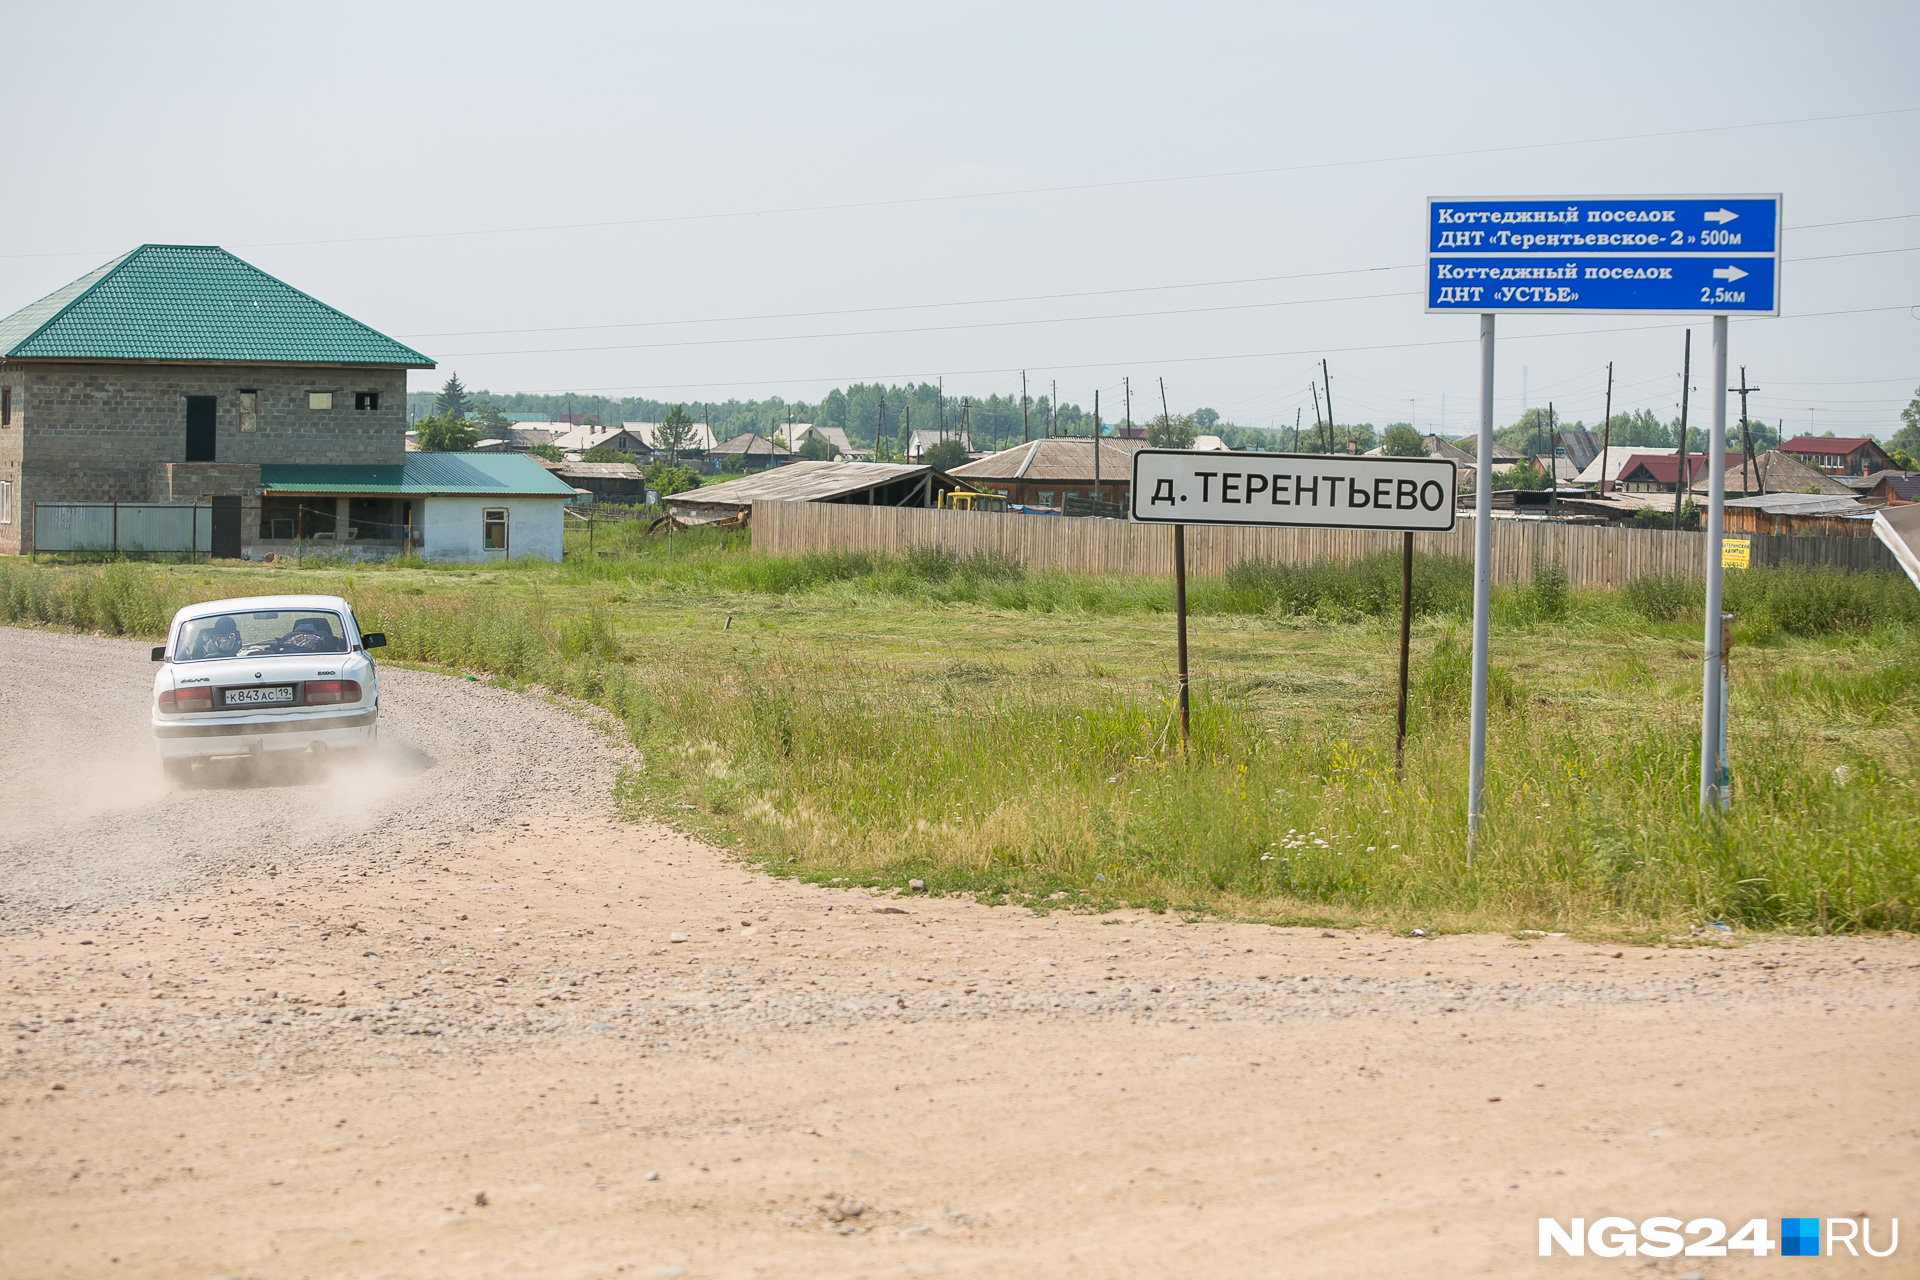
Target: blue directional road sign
1690 254
1721 285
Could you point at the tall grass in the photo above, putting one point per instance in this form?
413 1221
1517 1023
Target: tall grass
1024 787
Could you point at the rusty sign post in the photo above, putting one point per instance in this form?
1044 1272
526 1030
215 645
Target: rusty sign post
1292 491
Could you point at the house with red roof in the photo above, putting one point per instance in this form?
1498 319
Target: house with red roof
1659 473
1839 455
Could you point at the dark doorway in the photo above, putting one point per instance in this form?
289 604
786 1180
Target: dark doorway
226 528
200 428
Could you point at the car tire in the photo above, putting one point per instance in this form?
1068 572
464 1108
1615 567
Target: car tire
178 770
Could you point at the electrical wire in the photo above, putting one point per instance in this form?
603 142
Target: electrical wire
1038 368
1056 189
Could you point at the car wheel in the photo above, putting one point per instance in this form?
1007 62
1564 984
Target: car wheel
179 771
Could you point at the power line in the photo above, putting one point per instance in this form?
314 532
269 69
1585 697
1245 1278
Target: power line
1137 361
921 306
932 328
980 302
1057 189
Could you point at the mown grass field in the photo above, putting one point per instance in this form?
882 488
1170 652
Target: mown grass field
1008 735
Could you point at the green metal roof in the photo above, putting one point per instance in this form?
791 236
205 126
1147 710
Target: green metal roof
192 302
496 475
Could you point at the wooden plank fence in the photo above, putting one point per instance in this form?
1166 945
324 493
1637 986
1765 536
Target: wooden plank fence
1595 555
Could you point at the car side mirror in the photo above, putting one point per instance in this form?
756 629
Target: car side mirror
374 640
159 653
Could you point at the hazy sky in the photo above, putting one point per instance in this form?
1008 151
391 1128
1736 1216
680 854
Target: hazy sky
710 201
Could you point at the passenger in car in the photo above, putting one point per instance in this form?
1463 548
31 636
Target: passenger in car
312 635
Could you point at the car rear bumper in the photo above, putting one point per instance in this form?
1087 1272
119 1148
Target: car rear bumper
179 736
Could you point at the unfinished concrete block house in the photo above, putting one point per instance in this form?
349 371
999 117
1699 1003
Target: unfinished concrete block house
179 376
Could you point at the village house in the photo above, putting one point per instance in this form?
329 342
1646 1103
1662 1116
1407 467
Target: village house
748 452
1660 472
1838 455
918 442
1045 473
177 377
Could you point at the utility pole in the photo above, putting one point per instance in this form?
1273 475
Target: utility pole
1053 409
881 428
1746 436
940 404
1025 435
1553 463
1318 422
1096 445
1166 414
1296 428
1680 473
1606 432
1329 381
1128 384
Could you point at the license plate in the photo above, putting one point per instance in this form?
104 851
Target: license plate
264 695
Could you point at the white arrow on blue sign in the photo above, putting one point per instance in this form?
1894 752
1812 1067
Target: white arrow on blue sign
1655 254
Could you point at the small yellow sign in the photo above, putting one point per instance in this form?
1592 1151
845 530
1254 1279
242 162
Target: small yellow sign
1736 553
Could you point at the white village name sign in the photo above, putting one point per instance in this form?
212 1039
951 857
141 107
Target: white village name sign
1301 490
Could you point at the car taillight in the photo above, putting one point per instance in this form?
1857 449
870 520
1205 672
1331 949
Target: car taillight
320 692
177 700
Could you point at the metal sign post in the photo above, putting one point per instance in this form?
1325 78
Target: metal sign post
1292 490
1583 255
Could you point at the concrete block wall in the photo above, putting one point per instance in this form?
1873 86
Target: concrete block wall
85 432
12 521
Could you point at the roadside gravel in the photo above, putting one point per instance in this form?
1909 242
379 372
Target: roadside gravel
306 1026
91 823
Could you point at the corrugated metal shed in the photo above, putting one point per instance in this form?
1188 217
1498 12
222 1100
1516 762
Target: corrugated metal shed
193 302
487 474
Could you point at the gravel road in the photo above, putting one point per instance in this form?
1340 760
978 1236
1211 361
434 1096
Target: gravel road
92 823
306 1026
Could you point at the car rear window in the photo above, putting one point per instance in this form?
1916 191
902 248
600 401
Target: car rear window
260 634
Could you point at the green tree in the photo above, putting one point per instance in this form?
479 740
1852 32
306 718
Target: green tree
492 423
1525 474
604 453
1402 441
1907 438
946 455
675 434
441 434
1171 433
452 402
1204 419
817 449
551 452
667 479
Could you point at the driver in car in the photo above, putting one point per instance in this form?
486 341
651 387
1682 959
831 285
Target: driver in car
312 635
222 640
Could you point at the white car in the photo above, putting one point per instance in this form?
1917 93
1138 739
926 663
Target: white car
264 674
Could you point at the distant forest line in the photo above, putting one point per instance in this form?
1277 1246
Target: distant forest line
997 421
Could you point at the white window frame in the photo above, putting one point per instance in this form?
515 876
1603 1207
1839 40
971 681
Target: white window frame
502 516
6 502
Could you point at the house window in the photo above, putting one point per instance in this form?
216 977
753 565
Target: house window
249 410
1046 497
319 399
6 406
493 529
6 502
366 399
